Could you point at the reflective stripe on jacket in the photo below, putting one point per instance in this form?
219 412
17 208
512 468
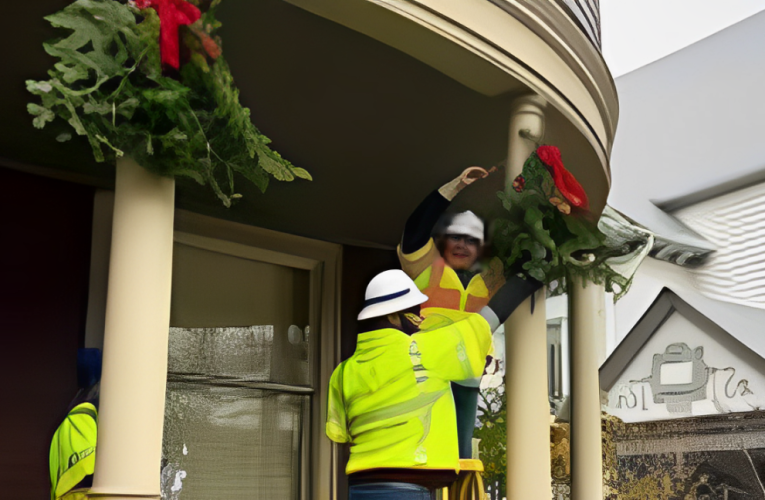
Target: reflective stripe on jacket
73 449
392 399
443 287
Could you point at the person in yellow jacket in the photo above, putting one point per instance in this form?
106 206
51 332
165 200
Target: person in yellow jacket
392 399
73 453
449 270
73 447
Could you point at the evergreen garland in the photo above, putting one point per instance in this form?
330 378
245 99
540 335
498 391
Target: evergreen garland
548 231
113 87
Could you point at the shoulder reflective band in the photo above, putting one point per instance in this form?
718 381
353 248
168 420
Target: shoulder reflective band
383 298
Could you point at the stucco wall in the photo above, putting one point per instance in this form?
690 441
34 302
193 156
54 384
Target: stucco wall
689 125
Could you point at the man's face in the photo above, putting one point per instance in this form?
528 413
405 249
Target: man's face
461 251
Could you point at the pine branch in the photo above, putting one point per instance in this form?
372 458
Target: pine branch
108 85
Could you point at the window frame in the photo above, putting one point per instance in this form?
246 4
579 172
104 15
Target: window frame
324 262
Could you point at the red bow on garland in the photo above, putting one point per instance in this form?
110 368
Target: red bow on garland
564 180
172 14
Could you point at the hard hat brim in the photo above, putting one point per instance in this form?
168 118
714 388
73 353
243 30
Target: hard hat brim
394 305
466 230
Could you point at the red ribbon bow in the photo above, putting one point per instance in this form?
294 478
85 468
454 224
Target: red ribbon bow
172 14
565 181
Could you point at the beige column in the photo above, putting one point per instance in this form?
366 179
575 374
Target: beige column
528 409
132 399
588 326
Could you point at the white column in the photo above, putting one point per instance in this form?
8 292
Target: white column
528 409
132 401
588 327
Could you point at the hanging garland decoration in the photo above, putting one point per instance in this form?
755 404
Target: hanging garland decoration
147 79
548 231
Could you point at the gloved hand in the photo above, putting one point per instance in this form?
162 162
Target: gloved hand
467 177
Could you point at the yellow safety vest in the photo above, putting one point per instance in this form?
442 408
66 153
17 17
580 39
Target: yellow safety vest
392 399
73 451
443 287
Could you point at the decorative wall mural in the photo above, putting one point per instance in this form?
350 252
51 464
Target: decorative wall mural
679 376
681 391
703 458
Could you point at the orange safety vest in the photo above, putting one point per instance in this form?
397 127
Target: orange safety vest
444 289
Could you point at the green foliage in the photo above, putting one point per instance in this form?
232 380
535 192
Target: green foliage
108 84
536 238
493 435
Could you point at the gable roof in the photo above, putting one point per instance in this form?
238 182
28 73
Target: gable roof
666 303
689 128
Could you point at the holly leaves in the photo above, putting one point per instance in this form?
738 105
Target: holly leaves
534 237
109 86
96 40
42 115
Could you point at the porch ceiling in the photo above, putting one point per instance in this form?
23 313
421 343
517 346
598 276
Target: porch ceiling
377 128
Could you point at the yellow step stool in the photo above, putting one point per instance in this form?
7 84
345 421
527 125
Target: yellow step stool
469 484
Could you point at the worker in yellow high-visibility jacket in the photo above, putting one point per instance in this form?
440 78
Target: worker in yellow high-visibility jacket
449 269
73 453
73 447
392 399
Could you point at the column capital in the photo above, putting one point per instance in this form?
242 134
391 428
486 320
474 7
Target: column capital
528 103
527 120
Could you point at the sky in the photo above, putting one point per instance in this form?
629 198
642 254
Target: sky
638 32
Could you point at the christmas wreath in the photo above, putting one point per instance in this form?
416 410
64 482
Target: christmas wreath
147 79
548 231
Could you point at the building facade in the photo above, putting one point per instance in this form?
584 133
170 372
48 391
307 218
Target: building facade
220 323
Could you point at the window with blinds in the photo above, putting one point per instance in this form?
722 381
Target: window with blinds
240 379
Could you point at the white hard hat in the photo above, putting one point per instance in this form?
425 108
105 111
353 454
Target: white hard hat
466 223
389 292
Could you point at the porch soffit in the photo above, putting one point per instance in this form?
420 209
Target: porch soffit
377 128
495 47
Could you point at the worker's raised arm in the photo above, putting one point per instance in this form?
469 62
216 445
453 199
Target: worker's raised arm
420 224
455 352
507 298
416 242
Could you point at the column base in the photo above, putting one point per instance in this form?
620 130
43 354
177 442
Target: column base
102 495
